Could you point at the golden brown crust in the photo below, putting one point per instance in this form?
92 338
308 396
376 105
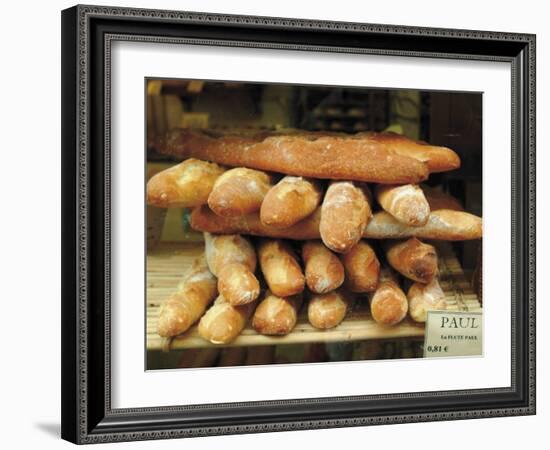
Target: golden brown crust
362 268
413 259
224 249
238 284
280 267
184 307
184 185
438 159
425 297
289 201
327 310
302 154
224 322
442 224
388 304
323 270
239 191
345 213
406 203
276 315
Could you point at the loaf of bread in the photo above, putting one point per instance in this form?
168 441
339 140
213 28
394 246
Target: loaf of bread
388 304
233 260
276 315
327 310
345 213
424 297
185 306
239 191
184 185
289 201
224 322
323 270
438 159
413 259
442 224
362 268
360 158
406 203
280 268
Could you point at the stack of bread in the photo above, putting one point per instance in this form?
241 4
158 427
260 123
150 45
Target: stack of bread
330 218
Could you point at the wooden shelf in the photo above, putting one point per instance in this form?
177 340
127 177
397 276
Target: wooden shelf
167 264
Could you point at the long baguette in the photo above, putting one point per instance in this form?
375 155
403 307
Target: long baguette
307 155
328 310
425 297
323 270
281 270
443 224
276 316
184 307
388 304
406 203
362 268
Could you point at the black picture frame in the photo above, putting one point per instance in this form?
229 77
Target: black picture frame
87 415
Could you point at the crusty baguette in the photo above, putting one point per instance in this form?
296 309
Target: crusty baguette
406 203
224 322
306 155
413 259
323 270
443 224
184 307
327 310
438 159
281 270
239 191
362 268
232 259
388 304
289 201
424 297
276 315
345 213
184 185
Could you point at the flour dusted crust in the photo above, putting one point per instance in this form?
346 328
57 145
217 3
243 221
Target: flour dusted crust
425 297
388 304
328 310
276 315
362 268
345 213
316 155
289 201
184 185
406 203
281 269
323 270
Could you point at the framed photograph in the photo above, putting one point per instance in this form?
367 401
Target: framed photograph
281 224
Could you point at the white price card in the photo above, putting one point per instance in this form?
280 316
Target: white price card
453 333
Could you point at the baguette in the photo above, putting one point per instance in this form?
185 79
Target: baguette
184 307
388 304
406 203
289 201
327 310
224 322
239 191
443 224
425 297
233 260
184 185
413 259
438 159
276 315
323 270
362 268
345 213
281 270
304 154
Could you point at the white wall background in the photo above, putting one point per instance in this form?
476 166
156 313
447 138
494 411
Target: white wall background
30 225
